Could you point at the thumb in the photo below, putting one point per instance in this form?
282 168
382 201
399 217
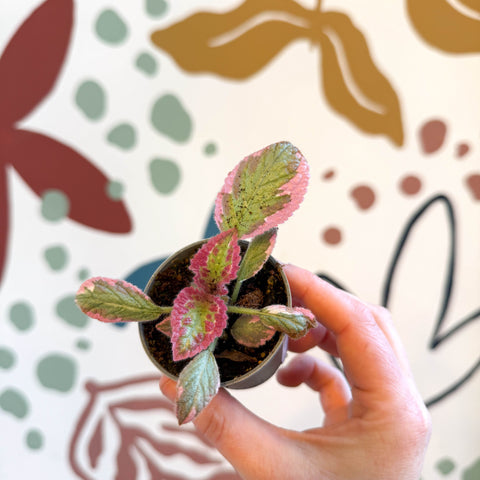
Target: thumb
248 442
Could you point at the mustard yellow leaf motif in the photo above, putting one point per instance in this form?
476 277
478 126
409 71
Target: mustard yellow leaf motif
446 26
206 42
238 43
352 83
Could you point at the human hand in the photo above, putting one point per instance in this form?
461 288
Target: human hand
376 425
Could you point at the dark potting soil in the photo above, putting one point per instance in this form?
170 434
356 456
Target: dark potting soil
233 359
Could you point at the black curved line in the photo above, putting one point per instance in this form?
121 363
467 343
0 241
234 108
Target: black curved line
438 339
435 340
442 395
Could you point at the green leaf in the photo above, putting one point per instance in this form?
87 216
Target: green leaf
258 251
263 190
248 330
197 384
110 300
294 321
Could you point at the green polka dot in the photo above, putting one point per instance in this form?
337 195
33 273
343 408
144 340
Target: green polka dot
170 118
57 372
472 472
91 100
21 315
55 205
83 274
13 401
68 311
34 439
110 27
164 174
123 136
83 344
115 190
445 466
210 149
156 8
146 63
56 257
7 358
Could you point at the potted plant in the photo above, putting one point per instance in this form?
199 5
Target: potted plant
210 289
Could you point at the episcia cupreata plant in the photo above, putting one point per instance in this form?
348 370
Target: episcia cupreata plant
261 192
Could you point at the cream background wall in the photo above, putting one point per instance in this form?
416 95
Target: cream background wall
164 138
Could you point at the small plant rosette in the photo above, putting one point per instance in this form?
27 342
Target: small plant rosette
254 376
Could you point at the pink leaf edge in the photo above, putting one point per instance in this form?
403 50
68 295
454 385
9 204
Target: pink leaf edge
90 285
185 307
199 263
296 188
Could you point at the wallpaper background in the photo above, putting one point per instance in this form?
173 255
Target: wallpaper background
113 144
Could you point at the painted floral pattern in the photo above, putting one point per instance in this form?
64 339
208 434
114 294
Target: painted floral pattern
27 75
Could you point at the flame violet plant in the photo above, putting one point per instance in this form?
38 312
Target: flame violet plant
262 191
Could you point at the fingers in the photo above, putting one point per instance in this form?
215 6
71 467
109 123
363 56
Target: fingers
249 443
328 381
316 337
370 362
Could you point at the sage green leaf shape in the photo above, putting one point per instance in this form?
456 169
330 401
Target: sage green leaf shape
197 384
444 26
110 300
353 85
248 330
263 190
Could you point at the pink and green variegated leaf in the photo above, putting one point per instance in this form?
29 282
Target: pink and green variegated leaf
294 321
258 251
197 384
263 190
248 330
197 319
216 264
110 300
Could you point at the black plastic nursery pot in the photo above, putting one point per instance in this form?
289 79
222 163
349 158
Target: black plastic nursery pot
239 366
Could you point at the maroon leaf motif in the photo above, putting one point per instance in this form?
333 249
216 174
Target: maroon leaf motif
95 446
47 164
32 60
3 219
136 446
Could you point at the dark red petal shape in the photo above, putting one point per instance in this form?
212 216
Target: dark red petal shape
32 59
47 164
3 218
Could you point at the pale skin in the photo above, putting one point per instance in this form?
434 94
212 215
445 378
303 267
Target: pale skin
375 425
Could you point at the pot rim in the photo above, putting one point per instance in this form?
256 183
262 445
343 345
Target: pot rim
278 352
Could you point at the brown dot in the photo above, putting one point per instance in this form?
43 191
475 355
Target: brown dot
473 184
328 175
364 196
432 135
332 236
410 185
462 149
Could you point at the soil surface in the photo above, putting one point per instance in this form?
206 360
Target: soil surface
233 359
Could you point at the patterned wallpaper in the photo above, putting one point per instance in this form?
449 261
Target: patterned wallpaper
119 121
